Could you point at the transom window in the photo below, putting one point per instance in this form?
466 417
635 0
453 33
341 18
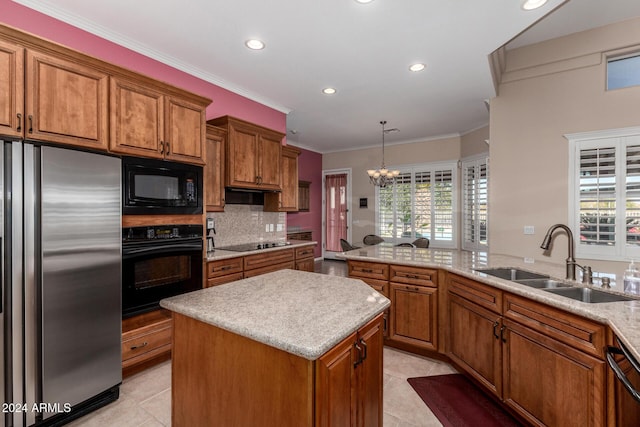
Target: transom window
422 203
623 71
605 193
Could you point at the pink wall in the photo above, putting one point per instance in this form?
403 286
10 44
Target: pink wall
224 101
310 169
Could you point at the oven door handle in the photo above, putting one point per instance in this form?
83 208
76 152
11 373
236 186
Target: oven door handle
131 252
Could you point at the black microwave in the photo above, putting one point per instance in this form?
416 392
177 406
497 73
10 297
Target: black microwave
160 187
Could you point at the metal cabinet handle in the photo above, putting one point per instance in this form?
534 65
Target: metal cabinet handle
168 148
144 344
359 358
364 349
30 123
502 334
161 147
19 128
495 333
225 267
610 351
367 270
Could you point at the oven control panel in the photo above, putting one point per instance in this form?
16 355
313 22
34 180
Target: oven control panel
161 232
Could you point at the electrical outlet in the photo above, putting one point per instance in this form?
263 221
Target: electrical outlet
529 229
529 260
279 227
271 228
266 228
210 223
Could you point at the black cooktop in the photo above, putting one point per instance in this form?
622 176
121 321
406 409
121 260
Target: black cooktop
245 247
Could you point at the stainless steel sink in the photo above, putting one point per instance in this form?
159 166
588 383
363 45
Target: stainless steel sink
512 273
588 295
543 283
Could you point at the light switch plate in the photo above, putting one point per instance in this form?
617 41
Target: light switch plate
529 229
210 223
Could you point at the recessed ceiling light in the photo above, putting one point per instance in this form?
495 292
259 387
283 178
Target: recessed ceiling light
533 4
417 67
328 91
364 1
254 44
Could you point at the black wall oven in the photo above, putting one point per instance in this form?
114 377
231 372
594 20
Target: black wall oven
160 187
159 262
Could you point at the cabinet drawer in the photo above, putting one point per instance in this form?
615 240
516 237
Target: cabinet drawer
221 280
269 269
381 286
306 265
369 270
413 275
268 258
483 295
144 340
568 328
304 252
224 267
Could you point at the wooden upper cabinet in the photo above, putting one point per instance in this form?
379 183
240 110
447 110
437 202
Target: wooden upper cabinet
137 119
252 154
185 130
11 89
146 122
66 102
287 200
214 169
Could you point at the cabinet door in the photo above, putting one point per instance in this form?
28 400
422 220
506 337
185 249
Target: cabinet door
214 169
474 342
306 265
335 386
137 119
550 383
269 155
185 131
66 102
11 89
369 375
414 315
289 194
242 148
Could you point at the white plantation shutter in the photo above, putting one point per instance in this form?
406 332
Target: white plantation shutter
605 194
420 204
475 208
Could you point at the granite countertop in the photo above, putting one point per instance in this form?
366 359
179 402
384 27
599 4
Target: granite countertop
303 313
623 317
219 254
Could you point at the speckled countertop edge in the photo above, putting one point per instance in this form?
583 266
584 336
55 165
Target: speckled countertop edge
219 254
303 313
623 317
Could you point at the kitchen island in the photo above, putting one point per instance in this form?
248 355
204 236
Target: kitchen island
287 348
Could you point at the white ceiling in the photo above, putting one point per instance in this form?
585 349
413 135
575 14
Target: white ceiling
363 50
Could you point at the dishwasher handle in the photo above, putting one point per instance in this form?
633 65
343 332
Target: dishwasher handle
610 351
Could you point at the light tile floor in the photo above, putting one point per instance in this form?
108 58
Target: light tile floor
145 398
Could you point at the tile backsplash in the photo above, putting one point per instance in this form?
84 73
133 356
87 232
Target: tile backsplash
240 224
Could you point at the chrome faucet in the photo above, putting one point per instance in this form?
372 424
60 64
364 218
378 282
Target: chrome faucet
571 261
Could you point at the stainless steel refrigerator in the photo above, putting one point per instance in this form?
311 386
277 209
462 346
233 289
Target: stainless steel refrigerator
61 282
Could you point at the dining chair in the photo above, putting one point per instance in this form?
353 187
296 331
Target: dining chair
421 242
372 239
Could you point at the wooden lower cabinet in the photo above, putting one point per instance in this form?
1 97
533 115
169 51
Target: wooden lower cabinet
304 258
146 340
349 380
472 342
545 364
414 315
220 378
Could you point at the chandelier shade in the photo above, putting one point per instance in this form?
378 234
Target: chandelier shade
383 177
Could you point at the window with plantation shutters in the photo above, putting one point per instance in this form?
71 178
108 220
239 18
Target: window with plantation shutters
420 204
605 194
475 203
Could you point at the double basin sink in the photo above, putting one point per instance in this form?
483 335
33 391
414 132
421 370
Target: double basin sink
541 281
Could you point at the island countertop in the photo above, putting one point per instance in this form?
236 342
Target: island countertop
303 313
623 317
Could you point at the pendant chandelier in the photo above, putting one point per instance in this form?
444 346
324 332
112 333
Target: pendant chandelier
383 176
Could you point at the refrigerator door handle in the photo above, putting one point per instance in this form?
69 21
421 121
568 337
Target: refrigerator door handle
32 334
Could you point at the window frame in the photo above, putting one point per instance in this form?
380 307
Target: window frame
476 162
618 139
431 167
